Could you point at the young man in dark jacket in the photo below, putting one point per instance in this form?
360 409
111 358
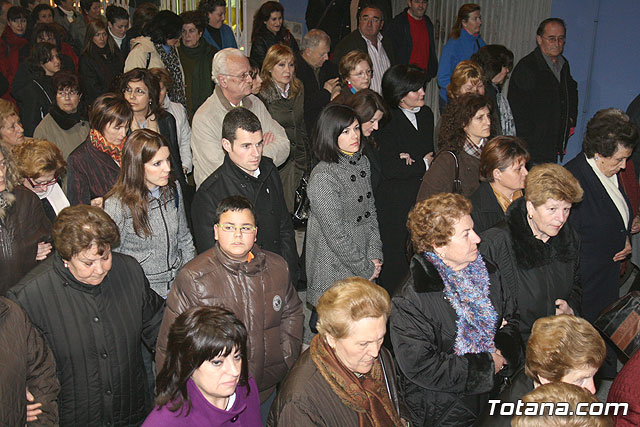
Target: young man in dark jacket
254 284
245 172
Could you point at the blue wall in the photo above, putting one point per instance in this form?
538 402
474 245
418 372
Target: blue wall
603 49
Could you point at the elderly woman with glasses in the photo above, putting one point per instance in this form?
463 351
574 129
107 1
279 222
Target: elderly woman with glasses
41 166
24 227
355 70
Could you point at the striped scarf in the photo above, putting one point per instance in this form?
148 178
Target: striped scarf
101 144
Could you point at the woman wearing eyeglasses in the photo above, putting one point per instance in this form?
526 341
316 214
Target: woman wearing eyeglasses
141 89
41 165
148 209
356 70
24 227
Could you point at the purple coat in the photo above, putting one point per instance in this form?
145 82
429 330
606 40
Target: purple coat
245 411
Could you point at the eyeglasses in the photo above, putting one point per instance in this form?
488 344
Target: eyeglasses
68 93
230 228
136 92
243 76
43 184
362 74
554 39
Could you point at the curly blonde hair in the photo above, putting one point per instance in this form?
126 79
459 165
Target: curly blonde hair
551 181
432 221
348 301
12 178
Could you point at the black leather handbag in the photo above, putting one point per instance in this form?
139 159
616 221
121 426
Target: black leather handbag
620 322
301 208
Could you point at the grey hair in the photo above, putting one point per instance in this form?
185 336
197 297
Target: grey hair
219 64
313 38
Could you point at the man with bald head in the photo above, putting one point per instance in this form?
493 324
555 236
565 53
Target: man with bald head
543 96
230 72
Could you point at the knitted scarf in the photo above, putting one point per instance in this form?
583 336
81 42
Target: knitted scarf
171 62
467 291
366 395
67 120
101 144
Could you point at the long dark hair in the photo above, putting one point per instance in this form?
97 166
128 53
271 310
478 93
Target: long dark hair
198 335
365 103
41 53
457 116
263 14
333 119
139 148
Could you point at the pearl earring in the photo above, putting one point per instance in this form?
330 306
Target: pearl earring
529 216
66 265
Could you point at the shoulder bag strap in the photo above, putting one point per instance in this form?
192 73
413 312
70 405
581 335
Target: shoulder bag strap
457 184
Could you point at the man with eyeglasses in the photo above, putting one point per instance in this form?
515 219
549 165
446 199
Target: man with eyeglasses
238 274
231 73
246 172
368 39
543 96
413 41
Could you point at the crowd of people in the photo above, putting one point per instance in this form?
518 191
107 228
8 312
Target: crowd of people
149 268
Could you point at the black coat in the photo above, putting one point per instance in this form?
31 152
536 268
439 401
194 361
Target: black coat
400 35
603 234
486 210
265 39
95 333
439 387
399 187
520 385
34 96
315 96
543 108
537 273
97 74
275 229
354 41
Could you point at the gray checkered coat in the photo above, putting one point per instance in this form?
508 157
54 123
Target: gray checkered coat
342 232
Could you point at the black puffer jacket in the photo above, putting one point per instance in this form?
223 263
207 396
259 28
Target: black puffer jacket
439 387
265 39
95 333
537 273
275 229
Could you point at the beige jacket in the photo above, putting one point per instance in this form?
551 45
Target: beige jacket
206 134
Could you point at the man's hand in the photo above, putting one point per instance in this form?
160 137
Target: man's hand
620 256
33 409
330 85
267 138
407 158
562 307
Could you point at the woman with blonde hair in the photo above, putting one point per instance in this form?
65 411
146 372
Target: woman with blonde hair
148 209
355 70
454 323
346 377
41 166
467 77
536 249
11 130
283 95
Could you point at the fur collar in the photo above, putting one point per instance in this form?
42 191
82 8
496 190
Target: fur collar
6 201
531 252
425 276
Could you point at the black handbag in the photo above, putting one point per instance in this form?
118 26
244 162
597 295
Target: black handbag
620 322
301 207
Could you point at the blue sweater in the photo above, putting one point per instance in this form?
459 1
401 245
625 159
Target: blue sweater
226 33
454 51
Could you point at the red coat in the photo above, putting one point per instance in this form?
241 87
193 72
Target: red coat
625 388
10 45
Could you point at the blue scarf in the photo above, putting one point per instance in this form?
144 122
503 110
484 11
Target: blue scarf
467 291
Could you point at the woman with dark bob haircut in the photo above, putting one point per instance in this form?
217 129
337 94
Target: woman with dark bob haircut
503 170
496 62
269 29
536 249
342 231
454 323
205 379
604 218
465 128
406 149
158 48
97 310
94 166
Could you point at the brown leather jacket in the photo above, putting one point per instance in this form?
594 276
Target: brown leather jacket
261 296
27 361
22 226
